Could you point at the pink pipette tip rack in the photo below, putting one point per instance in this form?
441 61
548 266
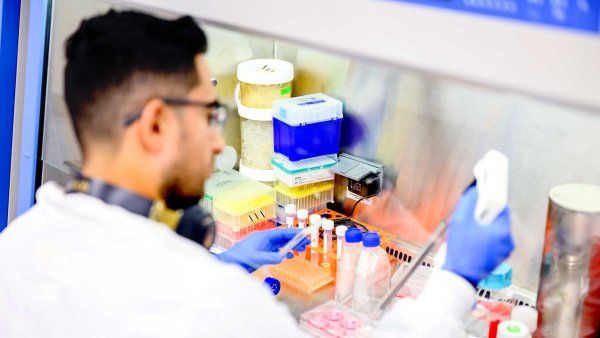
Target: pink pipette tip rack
330 320
298 274
227 237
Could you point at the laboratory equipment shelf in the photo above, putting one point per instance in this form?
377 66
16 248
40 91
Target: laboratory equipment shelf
543 61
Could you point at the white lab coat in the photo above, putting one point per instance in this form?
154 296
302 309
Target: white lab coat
73 266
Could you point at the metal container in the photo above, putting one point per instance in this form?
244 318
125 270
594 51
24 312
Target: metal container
569 298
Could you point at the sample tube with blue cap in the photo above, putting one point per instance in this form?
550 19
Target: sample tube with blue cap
346 265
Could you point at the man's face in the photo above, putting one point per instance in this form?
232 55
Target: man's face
196 145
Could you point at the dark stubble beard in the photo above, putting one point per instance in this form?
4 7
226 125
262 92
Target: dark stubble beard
176 199
173 190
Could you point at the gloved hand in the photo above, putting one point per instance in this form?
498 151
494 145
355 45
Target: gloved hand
474 251
261 248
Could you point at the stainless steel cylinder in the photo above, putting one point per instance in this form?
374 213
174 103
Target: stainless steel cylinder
571 258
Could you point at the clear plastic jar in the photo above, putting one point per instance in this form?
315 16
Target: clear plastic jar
262 96
261 82
257 143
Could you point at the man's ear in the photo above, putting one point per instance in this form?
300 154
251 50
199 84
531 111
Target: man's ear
152 125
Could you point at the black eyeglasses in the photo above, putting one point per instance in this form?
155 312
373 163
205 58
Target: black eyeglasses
217 116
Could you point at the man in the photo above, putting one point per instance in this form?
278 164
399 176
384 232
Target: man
146 116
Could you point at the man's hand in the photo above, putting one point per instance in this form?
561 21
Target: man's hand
262 248
475 250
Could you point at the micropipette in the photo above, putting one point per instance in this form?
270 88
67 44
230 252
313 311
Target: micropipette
491 173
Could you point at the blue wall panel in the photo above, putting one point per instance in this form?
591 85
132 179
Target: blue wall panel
9 40
37 41
582 15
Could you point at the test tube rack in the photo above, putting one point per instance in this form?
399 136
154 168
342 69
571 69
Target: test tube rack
299 274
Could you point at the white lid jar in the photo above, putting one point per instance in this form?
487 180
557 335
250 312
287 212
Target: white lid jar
263 81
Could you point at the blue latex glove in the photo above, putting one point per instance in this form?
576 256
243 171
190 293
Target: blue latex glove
474 251
262 248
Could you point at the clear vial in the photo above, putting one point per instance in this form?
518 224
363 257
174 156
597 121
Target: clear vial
372 275
340 232
302 216
346 266
314 238
327 235
290 212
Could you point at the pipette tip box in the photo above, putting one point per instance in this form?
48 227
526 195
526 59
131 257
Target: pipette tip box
302 172
226 237
307 126
237 201
311 196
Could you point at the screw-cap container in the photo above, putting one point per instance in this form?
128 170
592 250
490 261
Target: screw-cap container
265 71
302 214
500 278
371 240
512 329
353 236
290 209
274 284
315 219
526 315
327 224
340 231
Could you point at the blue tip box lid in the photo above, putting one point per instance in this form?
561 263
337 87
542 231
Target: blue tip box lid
499 279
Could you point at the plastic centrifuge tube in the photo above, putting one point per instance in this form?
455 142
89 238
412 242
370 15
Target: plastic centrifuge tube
298 238
327 235
302 216
340 232
290 212
315 224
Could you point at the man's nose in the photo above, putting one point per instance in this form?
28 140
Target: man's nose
219 144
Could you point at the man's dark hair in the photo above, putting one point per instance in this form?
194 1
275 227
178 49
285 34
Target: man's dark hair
118 61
